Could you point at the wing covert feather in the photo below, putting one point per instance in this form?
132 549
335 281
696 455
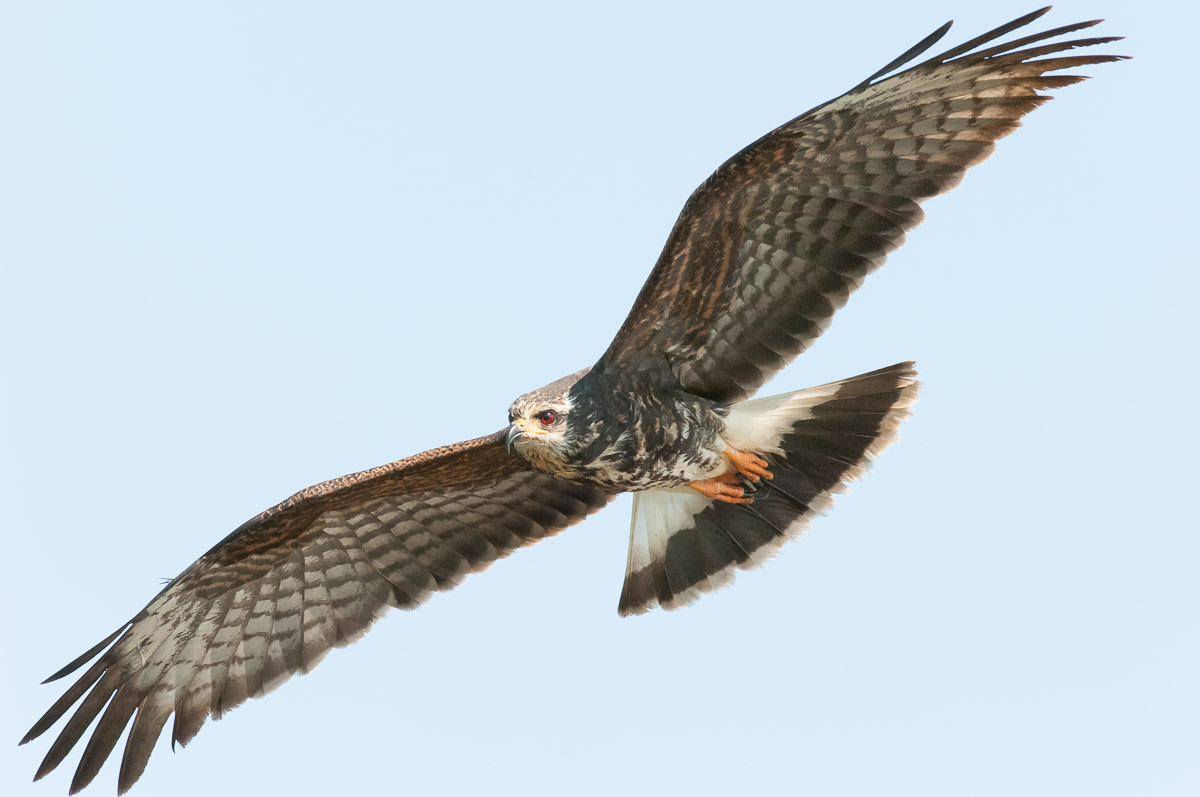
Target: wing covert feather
775 241
308 575
762 255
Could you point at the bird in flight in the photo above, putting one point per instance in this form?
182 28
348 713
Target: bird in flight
762 255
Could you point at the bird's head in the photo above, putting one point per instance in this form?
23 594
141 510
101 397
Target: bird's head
538 424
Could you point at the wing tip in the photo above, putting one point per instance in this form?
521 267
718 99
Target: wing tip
1032 15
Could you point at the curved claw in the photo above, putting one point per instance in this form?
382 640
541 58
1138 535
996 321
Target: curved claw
749 464
722 488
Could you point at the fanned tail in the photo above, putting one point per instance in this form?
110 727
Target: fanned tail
815 440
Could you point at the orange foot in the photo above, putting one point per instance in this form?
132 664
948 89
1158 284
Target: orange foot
722 488
750 465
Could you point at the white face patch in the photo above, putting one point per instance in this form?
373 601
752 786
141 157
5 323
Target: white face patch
543 444
530 410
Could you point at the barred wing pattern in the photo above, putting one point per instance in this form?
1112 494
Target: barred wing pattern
776 240
307 575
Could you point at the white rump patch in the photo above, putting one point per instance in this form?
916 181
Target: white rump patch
760 424
658 514
707 550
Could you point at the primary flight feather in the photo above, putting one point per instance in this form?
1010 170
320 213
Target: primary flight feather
763 254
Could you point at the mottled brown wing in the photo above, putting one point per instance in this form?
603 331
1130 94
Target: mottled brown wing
308 575
779 236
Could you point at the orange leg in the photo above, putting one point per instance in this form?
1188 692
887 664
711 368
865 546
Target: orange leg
750 465
722 488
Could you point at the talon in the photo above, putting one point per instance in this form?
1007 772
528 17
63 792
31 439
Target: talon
722 488
749 464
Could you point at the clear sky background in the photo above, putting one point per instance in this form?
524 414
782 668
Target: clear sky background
246 247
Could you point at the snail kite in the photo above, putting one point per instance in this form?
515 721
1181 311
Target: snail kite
764 252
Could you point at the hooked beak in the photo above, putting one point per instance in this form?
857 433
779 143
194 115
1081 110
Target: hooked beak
514 432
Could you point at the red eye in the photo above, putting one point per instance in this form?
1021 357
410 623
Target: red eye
548 417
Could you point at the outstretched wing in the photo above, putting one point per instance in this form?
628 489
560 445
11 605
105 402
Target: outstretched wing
308 575
779 236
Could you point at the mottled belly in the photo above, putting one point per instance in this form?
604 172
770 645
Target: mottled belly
662 469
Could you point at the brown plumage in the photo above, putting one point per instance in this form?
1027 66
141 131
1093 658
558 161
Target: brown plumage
303 577
763 254
776 240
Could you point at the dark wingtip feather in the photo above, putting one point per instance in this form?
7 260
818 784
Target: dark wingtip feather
68 699
87 656
983 38
965 49
909 54
104 738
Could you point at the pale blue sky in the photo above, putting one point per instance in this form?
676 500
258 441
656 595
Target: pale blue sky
245 249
